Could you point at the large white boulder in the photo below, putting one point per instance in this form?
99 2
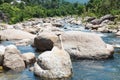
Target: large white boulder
53 64
79 45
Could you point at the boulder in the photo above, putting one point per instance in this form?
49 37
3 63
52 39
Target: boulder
80 45
53 64
14 34
45 41
29 57
13 60
2 50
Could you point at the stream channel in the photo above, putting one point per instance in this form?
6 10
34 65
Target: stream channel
82 69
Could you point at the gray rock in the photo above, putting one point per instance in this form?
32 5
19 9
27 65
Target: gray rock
53 64
13 60
81 45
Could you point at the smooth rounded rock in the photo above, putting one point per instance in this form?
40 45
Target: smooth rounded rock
13 60
53 64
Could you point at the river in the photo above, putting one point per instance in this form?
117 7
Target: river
82 69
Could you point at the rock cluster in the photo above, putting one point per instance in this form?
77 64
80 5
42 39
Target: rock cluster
12 59
57 46
105 24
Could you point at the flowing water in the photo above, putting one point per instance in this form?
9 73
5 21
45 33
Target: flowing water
82 69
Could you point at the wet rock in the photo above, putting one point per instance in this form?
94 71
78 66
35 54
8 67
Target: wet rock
13 60
29 57
53 64
13 34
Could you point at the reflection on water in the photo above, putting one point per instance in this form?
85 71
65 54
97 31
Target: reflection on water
82 69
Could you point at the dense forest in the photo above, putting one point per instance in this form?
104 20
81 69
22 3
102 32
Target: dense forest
13 11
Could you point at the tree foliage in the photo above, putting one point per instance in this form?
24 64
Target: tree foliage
102 7
20 11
